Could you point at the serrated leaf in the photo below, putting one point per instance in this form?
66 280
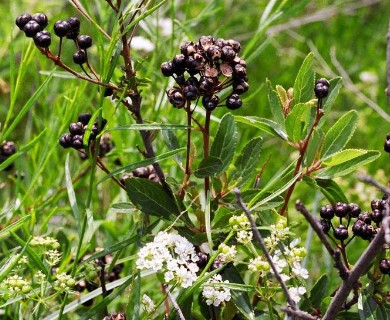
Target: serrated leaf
225 142
339 134
304 82
329 188
265 125
297 122
334 89
247 161
345 162
208 167
151 198
312 148
275 105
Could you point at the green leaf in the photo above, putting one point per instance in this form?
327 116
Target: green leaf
225 141
339 134
334 89
72 195
172 142
312 148
151 198
297 122
142 163
13 226
140 127
329 188
208 167
319 291
345 161
369 309
275 105
304 82
265 125
247 161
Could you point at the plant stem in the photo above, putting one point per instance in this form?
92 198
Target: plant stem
188 152
302 149
206 147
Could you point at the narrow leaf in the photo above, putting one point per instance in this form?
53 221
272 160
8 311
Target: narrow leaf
151 198
140 127
304 82
368 308
329 188
345 162
247 161
334 89
339 134
72 195
225 142
297 122
13 226
265 125
275 105
208 167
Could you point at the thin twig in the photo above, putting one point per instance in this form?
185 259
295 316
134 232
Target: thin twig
299 314
259 239
335 253
374 248
366 178
388 64
174 303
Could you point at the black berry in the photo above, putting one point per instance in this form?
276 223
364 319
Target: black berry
386 146
325 225
321 88
61 28
365 217
22 20
384 266
341 209
76 128
176 97
80 57
341 232
66 140
354 210
84 42
167 68
233 102
31 28
41 18
74 30
210 103
377 215
327 212
42 39
240 86
84 118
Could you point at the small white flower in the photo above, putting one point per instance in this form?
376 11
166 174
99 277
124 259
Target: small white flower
296 293
215 295
299 271
244 237
140 43
228 254
259 264
148 303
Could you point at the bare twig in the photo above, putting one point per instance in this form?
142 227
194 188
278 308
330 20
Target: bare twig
366 178
335 253
174 303
388 65
298 314
358 270
259 239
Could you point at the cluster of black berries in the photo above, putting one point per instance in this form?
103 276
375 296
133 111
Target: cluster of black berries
91 281
203 69
33 27
384 266
105 146
74 139
7 149
362 226
143 172
115 316
387 143
321 88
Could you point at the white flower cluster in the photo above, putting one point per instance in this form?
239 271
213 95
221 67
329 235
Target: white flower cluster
242 226
64 282
148 303
172 254
296 293
228 254
15 285
279 232
46 242
216 294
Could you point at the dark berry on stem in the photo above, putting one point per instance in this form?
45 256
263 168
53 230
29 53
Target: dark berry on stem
210 103
179 62
66 140
190 92
31 28
388 136
384 266
325 225
327 212
76 128
42 39
80 57
354 210
358 228
228 54
235 45
341 209
41 18
377 215
61 28
84 118
386 146
7 148
341 232
84 42
74 30
239 70
376 204
176 97
365 217
321 88
22 20
240 86
77 142
108 92
167 68
233 102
